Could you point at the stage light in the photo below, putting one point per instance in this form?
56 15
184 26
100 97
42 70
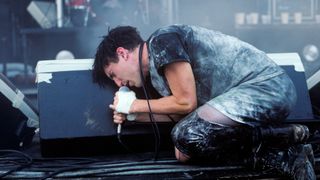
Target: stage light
310 52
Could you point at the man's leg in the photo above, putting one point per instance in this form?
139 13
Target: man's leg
203 135
211 115
207 132
290 157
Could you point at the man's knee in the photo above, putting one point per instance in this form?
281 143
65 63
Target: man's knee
183 140
193 136
180 156
185 137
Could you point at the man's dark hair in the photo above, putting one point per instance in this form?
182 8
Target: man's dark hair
123 36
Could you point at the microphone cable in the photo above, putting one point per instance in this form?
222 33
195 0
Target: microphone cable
119 138
153 122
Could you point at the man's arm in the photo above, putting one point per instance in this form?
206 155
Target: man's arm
183 100
144 117
119 118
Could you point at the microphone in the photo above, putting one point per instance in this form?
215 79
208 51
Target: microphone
119 129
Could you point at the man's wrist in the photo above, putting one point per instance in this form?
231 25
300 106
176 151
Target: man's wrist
132 107
131 117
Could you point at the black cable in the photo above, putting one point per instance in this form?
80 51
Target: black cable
153 122
42 165
94 168
109 168
151 117
64 169
106 164
119 137
134 169
84 163
26 157
125 146
113 168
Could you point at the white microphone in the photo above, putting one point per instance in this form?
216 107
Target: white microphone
119 129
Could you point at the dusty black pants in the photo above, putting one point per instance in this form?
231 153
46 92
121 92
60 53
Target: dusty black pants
205 141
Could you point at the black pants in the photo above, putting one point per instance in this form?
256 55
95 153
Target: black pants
205 141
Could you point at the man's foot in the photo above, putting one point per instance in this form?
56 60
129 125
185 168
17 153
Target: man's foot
296 162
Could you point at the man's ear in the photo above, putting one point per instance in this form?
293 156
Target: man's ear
122 52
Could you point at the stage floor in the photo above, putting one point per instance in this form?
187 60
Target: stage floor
29 164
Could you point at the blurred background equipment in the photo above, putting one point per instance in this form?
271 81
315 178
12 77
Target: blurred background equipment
59 7
15 69
273 26
64 54
310 52
43 12
79 12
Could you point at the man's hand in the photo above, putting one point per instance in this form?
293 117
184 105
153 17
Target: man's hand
124 99
118 118
122 102
115 102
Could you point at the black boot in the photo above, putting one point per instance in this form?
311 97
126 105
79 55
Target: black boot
296 162
283 135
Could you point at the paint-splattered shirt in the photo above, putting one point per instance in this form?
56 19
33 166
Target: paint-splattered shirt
219 62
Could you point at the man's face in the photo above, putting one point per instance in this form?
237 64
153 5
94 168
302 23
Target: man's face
126 71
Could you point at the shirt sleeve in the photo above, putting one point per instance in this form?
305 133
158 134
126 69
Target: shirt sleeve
168 48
